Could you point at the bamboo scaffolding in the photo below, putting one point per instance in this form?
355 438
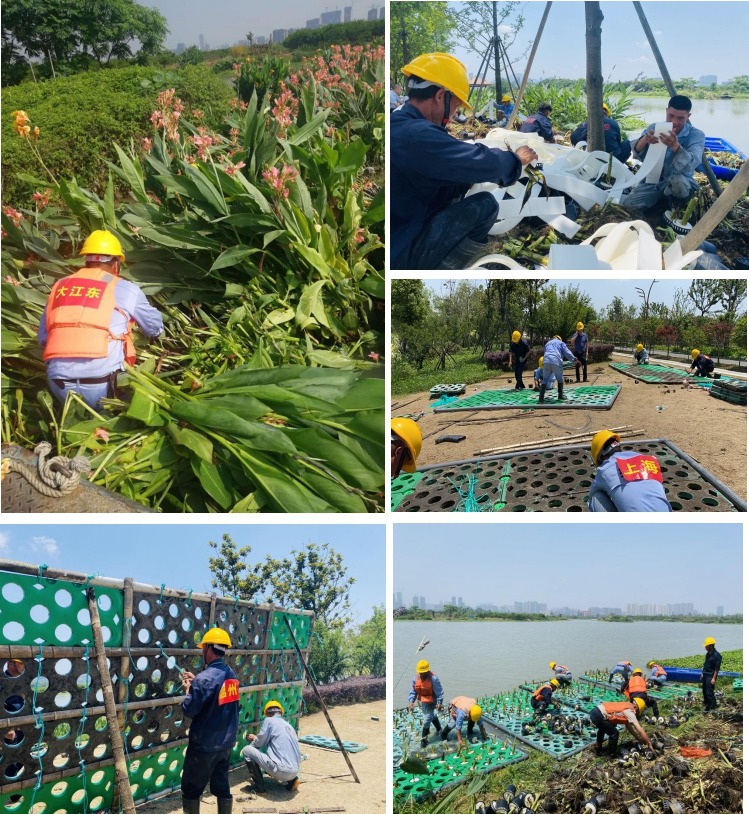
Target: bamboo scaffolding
561 439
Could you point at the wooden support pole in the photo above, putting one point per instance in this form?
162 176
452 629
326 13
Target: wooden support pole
714 216
527 71
124 684
594 76
115 736
311 680
212 614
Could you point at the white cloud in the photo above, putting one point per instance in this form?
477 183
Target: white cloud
657 33
506 29
4 541
639 59
45 545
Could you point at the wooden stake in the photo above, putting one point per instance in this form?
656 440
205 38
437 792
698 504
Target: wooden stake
539 444
311 680
593 76
124 669
527 71
714 216
115 736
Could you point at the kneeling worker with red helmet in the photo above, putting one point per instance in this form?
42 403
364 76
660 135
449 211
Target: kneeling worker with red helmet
281 757
606 716
212 701
625 481
464 709
405 445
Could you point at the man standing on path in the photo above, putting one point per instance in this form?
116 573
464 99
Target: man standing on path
710 671
519 350
427 689
212 701
580 340
281 758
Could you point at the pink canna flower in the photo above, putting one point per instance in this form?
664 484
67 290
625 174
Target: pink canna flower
232 169
42 197
280 180
374 356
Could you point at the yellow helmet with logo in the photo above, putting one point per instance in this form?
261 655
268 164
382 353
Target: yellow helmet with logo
408 431
270 705
443 70
639 348
709 640
606 109
516 336
599 441
579 326
422 666
475 712
640 703
101 242
695 353
216 636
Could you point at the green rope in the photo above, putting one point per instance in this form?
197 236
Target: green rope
89 577
42 569
81 727
160 598
188 601
179 669
39 721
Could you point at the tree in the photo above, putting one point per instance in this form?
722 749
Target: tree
419 28
328 657
667 335
231 575
593 75
719 335
705 294
694 337
732 295
738 340
191 56
409 302
369 644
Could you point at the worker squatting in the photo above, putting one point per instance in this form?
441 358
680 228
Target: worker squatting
427 691
433 225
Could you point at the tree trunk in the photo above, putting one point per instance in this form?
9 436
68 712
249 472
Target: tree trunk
51 64
593 75
497 66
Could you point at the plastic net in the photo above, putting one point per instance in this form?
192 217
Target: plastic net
596 396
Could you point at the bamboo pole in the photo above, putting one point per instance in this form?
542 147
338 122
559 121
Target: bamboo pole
115 736
311 680
527 71
557 439
212 614
124 685
714 216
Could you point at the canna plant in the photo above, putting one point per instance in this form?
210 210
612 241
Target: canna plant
261 243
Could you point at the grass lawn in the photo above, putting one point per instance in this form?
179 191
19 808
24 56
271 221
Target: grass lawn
466 368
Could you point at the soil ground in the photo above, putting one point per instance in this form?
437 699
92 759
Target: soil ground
319 786
711 431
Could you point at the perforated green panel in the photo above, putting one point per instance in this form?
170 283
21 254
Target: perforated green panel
288 697
599 396
403 486
65 796
54 612
279 633
156 772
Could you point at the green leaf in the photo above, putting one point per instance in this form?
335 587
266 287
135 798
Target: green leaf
211 480
314 258
109 215
132 175
308 129
334 493
194 441
366 394
269 237
336 457
233 257
311 303
278 317
374 285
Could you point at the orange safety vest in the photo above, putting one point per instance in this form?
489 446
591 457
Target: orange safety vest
79 315
537 694
615 708
424 689
561 668
636 684
659 671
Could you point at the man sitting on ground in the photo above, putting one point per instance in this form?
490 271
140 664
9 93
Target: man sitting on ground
540 123
612 135
642 357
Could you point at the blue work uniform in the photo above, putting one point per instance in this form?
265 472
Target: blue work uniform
428 709
430 170
540 704
580 349
555 352
506 108
520 351
677 177
612 136
213 705
642 357
611 492
538 123
661 680
704 364
65 374
562 675
280 757
709 668
623 669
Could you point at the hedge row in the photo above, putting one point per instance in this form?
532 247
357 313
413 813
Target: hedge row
358 32
354 690
500 360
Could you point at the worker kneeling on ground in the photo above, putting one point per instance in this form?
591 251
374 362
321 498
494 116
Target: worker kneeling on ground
624 481
427 689
542 697
433 225
555 351
606 716
519 350
622 668
212 701
658 676
710 670
540 123
685 145
86 326
463 709
612 136
702 364
562 674
281 757
641 356
405 445
538 374
636 687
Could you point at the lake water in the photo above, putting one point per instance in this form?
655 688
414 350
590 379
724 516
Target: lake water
722 118
483 658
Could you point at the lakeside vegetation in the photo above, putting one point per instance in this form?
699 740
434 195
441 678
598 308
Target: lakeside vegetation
453 613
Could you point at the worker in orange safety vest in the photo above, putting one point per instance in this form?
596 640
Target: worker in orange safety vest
636 687
658 676
542 697
427 689
86 326
606 716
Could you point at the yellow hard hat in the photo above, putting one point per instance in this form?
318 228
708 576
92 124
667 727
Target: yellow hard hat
505 98
408 431
422 666
640 705
556 336
552 664
101 242
475 712
709 640
270 705
607 109
636 671
554 682
651 663
216 636
599 441
579 326
516 336
540 361
639 347
695 353
444 70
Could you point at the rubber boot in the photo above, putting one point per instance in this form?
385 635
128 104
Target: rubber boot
256 776
437 725
541 394
613 746
462 255
425 735
224 805
190 806
560 391
292 785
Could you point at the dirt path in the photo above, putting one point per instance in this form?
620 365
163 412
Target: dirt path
712 431
318 788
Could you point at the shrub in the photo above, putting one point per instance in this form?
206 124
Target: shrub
500 360
191 56
359 32
598 352
355 690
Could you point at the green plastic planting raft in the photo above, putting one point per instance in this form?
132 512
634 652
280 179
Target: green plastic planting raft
667 692
40 612
587 398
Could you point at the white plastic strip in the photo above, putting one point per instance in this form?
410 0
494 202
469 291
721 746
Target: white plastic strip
497 258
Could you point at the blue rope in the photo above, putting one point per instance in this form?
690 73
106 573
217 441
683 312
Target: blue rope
39 721
89 577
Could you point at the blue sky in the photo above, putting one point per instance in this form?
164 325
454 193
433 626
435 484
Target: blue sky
688 48
178 554
571 564
603 291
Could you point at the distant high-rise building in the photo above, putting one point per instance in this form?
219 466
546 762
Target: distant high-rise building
397 599
372 13
279 35
330 17
313 23
203 43
461 604
261 40
347 14
180 48
382 12
720 610
708 79
422 603
517 607
415 603
453 601
505 608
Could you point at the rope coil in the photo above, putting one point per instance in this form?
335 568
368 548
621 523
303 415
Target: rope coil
56 477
